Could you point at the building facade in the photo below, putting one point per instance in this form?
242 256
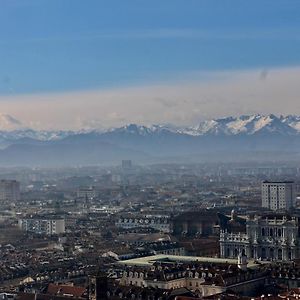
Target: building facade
160 223
196 223
278 195
9 190
203 279
47 226
272 237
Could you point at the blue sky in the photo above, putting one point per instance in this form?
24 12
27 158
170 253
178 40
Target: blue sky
65 45
55 50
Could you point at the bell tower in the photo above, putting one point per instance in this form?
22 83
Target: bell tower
98 286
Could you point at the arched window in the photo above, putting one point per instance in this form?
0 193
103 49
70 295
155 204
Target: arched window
271 231
279 232
263 231
263 253
271 253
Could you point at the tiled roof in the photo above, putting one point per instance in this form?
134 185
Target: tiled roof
75 291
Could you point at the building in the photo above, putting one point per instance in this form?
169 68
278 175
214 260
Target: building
278 195
43 225
196 223
126 164
160 223
201 275
266 237
87 193
9 190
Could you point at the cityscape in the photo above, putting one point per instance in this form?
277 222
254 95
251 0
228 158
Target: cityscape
164 231
149 150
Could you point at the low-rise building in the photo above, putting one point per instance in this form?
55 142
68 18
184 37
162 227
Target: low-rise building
203 276
160 223
43 225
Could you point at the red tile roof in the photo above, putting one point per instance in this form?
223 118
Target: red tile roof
74 291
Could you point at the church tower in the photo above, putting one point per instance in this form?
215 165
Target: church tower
98 286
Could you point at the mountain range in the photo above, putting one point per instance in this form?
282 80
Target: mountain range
247 137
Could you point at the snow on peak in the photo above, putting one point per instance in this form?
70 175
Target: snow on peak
244 124
291 120
9 123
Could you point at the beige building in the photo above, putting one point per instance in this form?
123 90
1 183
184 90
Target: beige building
202 275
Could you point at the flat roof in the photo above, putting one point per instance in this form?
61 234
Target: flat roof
150 260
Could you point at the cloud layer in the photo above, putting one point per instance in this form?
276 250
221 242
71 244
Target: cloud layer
197 97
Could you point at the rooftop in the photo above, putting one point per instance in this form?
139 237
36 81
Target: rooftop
275 182
150 260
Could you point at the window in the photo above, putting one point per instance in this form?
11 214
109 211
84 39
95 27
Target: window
271 231
280 254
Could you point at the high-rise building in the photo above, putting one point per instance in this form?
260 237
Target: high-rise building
9 190
126 164
278 195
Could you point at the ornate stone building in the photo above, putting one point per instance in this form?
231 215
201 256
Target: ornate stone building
272 237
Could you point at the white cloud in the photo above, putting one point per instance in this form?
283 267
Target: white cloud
181 102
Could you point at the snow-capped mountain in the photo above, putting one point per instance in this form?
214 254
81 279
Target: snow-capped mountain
9 123
242 125
13 129
292 121
41 135
256 137
143 130
247 125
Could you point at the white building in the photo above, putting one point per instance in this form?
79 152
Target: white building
274 237
278 195
39 225
9 190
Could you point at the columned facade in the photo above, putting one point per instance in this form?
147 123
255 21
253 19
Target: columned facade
272 237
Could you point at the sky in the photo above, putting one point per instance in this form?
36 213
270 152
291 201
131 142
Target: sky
71 64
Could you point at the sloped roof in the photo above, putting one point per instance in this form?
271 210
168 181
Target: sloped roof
75 291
